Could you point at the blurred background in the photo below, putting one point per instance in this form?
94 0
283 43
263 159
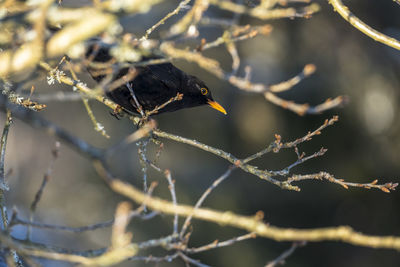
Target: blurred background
364 145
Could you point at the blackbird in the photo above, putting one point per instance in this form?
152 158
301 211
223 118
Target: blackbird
151 85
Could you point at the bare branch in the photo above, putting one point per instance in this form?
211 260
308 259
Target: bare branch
253 224
214 68
361 26
267 14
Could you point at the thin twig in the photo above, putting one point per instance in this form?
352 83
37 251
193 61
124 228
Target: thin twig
299 161
91 227
62 78
281 258
217 244
178 97
150 258
3 145
159 242
142 148
329 177
17 99
56 97
142 132
204 196
191 18
3 185
162 21
171 187
138 106
39 193
187 259
267 14
98 127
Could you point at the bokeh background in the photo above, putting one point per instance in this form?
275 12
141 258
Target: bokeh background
364 145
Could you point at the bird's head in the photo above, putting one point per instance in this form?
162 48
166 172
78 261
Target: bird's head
201 95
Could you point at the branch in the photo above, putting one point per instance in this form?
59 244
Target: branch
361 26
59 76
263 174
329 177
265 13
29 55
191 18
162 21
214 68
3 145
252 224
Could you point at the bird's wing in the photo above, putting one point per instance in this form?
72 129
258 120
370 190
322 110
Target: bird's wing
167 74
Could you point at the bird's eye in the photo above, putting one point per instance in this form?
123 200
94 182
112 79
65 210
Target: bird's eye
204 91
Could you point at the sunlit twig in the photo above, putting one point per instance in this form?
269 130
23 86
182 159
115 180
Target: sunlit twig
361 26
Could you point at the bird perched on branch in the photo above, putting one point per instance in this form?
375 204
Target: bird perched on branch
148 89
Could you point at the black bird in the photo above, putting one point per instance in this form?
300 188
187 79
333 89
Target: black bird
152 85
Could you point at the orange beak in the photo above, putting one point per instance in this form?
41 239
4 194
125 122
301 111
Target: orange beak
216 106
